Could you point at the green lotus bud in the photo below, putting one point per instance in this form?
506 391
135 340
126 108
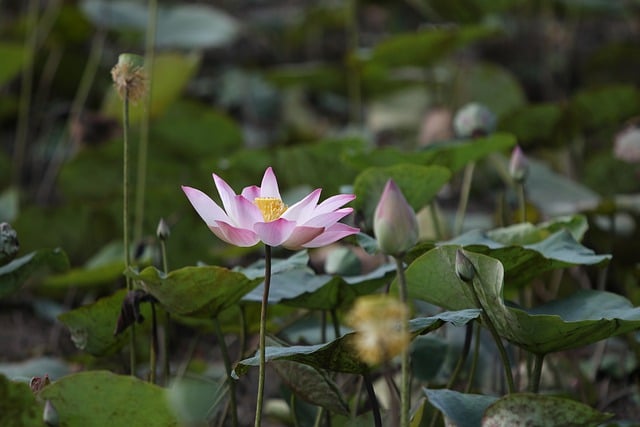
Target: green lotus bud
163 231
50 414
9 244
474 120
394 222
464 267
518 165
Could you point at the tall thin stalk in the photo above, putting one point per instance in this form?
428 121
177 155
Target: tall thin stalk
464 197
537 373
263 328
405 392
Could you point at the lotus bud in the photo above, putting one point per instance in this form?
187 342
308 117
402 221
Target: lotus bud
129 77
474 120
394 222
464 267
626 146
518 165
9 244
50 415
163 231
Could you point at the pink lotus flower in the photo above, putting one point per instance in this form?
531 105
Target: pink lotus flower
258 214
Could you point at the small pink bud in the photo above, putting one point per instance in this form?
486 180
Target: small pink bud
394 223
518 165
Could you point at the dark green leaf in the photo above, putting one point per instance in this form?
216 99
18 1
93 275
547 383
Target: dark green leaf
18 406
419 184
14 274
583 318
92 326
311 385
454 155
538 410
195 291
104 399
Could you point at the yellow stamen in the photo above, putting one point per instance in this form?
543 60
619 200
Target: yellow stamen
271 207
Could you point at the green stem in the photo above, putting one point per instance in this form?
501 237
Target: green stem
435 219
125 216
30 46
537 373
227 366
522 202
263 327
464 197
336 323
153 349
405 394
165 331
375 406
141 179
496 337
243 333
474 361
463 356
319 417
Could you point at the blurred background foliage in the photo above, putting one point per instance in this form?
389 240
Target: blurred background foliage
314 89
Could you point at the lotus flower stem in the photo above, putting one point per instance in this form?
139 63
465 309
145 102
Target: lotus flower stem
153 349
464 197
227 366
537 373
494 333
522 201
141 178
474 361
433 211
336 323
375 406
463 355
125 216
165 353
405 393
263 327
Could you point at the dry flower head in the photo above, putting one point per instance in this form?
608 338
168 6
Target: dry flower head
129 78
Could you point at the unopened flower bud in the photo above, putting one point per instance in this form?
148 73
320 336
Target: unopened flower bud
163 231
626 146
518 165
394 222
38 383
129 77
464 267
9 244
474 120
50 415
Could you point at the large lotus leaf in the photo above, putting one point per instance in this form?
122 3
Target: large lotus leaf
92 326
555 194
301 287
195 291
311 385
454 155
426 46
524 262
340 354
419 184
14 274
605 107
541 411
171 73
104 399
18 406
186 26
583 318
482 81
462 410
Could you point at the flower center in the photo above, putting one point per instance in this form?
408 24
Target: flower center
270 207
